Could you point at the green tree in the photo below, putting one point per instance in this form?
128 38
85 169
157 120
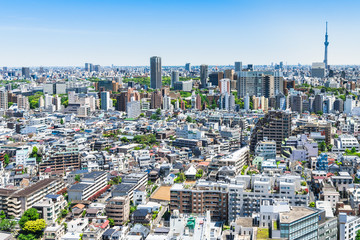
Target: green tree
7 225
27 237
77 178
61 121
6 160
124 139
29 215
142 115
353 150
158 111
10 104
35 226
180 178
312 204
114 101
111 222
189 119
2 215
357 237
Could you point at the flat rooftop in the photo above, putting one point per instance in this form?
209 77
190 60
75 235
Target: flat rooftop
296 213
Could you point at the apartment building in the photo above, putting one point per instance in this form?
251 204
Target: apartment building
204 196
15 202
247 193
49 208
60 161
90 184
118 208
276 126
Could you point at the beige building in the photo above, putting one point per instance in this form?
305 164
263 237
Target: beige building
118 208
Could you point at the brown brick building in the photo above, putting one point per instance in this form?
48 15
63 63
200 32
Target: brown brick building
205 196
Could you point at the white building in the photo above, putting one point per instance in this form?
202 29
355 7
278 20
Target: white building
133 109
345 142
348 226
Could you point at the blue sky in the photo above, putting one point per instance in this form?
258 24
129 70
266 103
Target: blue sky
123 33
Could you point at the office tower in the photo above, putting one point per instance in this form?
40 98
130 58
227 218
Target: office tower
229 73
97 68
188 67
250 67
281 65
268 86
279 82
87 67
91 67
155 73
339 105
276 125
184 86
281 102
3 100
121 101
215 77
174 78
318 70
25 72
106 101
203 75
326 43
249 82
238 66
296 103
133 109
156 100
224 86
318 103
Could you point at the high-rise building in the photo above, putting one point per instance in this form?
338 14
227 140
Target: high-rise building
296 103
97 68
268 86
318 70
238 66
174 78
326 43
215 77
318 103
87 67
250 67
3 100
25 72
91 67
339 105
155 72
198 102
224 86
106 101
23 102
188 67
276 125
133 109
229 73
203 75
156 100
167 103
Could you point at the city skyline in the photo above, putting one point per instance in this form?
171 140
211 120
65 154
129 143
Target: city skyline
128 33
